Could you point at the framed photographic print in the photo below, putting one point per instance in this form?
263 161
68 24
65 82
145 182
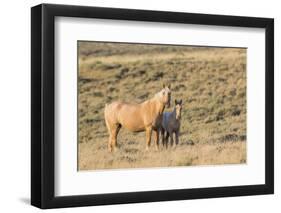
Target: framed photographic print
139 106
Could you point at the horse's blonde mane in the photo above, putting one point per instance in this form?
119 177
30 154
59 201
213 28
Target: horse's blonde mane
158 94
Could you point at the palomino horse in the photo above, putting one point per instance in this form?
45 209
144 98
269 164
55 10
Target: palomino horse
171 124
146 116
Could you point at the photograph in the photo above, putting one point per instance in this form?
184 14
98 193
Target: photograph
143 105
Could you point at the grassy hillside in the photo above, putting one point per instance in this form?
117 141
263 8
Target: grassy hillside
211 82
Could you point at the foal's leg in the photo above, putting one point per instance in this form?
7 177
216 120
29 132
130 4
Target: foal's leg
156 138
167 139
163 136
148 137
177 137
171 138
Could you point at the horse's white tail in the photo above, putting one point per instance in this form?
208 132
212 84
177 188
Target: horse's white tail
105 115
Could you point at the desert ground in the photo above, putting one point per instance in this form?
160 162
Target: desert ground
210 81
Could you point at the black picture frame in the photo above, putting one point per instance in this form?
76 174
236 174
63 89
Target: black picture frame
43 105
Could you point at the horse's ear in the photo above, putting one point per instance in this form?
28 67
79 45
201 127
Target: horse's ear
180 102
169 86
176 102
164 86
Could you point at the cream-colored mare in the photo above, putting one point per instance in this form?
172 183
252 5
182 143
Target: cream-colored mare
146 116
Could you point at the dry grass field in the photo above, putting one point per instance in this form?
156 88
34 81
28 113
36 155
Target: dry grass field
211 82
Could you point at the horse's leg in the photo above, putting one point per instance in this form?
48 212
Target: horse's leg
110 135
148 137
109 143
156 138
114 136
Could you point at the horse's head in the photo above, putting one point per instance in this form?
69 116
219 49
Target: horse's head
165 95
178 108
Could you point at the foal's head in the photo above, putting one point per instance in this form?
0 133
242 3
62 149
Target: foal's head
178 108
165 95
